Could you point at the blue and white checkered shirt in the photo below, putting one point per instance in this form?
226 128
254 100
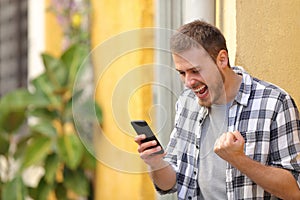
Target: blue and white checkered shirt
267 118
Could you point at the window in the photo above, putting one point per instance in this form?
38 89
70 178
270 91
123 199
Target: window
13 45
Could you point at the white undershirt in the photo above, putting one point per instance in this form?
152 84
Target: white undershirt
212 169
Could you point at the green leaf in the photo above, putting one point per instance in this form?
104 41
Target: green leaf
22 144
13 107
88 109
70 150
89 161
73 58
36 151
14 190
55 70
45 128
21 99
43 113
68 114
39 100
43 190
11 120
4 144
99 114
45 90
61 192
51 166
17 99
76 181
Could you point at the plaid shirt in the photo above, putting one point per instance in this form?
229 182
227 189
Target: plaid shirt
267 118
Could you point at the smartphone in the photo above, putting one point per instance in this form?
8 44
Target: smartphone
141 127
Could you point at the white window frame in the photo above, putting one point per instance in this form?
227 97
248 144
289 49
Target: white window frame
170 15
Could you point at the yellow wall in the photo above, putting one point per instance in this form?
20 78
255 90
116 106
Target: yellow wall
112 18
120 172
268 41
53 33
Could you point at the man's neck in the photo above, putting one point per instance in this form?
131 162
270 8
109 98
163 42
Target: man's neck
232 85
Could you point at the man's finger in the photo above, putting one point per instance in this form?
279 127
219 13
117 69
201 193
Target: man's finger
139 138
231 137
238 135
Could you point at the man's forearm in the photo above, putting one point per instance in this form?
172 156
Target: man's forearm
276 181
163 177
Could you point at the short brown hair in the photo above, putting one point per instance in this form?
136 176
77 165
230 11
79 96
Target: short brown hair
198 33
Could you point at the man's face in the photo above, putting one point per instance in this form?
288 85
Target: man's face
201 74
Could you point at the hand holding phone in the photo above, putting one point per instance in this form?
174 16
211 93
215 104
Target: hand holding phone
141 127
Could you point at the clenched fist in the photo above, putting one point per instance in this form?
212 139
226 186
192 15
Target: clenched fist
229 146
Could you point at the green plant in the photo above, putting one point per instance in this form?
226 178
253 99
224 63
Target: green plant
51 140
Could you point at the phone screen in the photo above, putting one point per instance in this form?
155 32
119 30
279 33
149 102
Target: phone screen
141 127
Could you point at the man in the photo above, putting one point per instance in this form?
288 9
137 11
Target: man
235 137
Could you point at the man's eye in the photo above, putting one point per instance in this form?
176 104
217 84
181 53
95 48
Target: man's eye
182 73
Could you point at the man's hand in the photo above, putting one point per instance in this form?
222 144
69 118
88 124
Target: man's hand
277 181
155 161
229 146
161 172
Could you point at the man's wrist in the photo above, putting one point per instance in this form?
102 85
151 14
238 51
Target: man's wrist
159 165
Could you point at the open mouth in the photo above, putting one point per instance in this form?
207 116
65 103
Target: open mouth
201 91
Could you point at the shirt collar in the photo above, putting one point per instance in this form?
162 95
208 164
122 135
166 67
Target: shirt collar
245 89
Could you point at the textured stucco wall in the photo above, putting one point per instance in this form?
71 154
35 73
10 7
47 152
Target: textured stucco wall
109 19
53 32
114 61
268 41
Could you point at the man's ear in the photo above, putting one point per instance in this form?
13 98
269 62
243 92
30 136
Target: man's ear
222 59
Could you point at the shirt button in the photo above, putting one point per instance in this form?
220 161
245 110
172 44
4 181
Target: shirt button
195 172
197 146
189 197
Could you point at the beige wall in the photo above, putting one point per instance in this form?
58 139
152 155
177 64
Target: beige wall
268 41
